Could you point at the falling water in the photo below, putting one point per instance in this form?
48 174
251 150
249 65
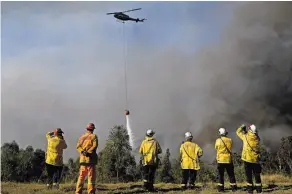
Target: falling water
130 133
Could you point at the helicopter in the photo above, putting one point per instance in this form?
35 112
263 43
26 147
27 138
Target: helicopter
124 17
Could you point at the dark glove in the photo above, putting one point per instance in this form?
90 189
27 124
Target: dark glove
85 153
243 128
141 160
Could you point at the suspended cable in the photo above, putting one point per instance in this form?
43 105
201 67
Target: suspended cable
128 126
125 66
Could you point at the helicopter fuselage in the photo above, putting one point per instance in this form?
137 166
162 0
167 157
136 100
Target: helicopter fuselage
123 17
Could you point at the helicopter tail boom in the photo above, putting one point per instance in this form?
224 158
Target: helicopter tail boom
140 20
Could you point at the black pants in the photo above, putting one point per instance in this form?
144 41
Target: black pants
256 170
230 171
54 173
149 175
188 175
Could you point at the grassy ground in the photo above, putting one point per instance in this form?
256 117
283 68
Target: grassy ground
272 184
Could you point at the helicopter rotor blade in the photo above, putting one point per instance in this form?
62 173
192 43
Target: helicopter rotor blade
131 10
112 13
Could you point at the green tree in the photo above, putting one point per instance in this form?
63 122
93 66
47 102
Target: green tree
101 169
236 158
176 170
38 161
165 173
25 166
22 165
206 173
71 170
284 155
115 160
9 161
268 160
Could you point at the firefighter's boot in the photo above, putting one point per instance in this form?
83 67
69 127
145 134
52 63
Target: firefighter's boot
259 189
233 188
56 186
220 188
183 186
191 186
145 185
49 187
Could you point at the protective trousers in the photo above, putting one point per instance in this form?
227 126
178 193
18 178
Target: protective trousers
230 171
89 171
255 169
188 175
148 176
54 174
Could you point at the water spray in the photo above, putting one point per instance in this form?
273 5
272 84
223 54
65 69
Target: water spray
128 126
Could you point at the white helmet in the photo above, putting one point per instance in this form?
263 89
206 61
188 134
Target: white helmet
188 135
253 128
222 131
150 132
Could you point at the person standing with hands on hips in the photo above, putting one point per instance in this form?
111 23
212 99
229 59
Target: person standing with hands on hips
87 146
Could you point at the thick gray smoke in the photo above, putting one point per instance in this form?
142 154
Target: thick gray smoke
249 74
243 78
252 77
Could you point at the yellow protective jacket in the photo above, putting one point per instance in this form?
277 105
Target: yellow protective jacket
190 153
56 145
251 146
223 147
150 149
88 142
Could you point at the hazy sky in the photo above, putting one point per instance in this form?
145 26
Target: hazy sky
62 66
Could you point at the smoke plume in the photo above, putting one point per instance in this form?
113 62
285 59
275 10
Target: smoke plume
245 77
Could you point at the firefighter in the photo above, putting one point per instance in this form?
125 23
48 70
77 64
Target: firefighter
54 157
149 151
190 153
251 156
86 146
223 147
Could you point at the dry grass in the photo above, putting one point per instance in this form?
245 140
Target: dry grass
276 178
271 183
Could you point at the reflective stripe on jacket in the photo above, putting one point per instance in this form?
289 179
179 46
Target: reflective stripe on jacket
251 146
190 153
223 147
88 142
150 149
56 145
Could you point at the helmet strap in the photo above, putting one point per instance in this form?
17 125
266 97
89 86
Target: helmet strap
189 138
